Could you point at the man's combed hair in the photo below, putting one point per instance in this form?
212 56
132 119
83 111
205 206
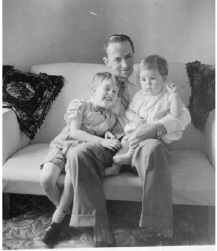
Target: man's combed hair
154 62
117 38
102 76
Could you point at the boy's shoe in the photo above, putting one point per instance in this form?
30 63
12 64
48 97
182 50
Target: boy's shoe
52 234
67 230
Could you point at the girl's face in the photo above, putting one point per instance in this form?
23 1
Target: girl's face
152 81
106 94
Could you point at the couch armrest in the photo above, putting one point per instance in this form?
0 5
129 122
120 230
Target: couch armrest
13 138
210 137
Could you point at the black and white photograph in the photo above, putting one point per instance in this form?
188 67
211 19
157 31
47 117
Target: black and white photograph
108 124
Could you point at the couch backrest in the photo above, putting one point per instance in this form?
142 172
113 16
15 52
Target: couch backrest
78 77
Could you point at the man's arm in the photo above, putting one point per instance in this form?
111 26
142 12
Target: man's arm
143 132
165 128
173 124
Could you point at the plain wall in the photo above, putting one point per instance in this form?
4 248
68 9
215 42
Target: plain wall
50 31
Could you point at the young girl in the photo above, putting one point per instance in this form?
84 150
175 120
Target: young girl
90 122
154 101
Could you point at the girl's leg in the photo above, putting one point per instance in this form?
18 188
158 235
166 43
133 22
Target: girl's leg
48 180
124 158
116 166
112 170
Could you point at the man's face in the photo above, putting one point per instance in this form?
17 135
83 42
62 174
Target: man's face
120 59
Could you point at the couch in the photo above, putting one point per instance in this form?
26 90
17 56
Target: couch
192 158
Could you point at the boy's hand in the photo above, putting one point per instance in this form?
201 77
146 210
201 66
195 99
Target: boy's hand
109 135
171 87
75 105
112 144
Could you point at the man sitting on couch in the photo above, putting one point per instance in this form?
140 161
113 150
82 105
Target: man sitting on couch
150 160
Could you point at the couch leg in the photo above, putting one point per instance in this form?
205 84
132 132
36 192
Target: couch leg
6 205
211 223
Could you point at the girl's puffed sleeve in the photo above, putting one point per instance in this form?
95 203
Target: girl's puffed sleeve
134 101
75 112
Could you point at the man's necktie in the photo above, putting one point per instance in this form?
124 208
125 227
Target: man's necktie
125 95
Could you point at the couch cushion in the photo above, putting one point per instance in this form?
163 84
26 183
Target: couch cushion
192 177
30 96
202 100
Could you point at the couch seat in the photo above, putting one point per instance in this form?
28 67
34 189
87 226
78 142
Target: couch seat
193 177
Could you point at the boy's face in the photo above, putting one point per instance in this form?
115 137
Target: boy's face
120 59
152 81
106 94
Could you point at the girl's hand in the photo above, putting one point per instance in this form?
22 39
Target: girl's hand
112 144
109 135
138 121
171 87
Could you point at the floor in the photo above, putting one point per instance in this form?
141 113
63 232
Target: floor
30 215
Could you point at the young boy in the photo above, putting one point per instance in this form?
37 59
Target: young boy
90 122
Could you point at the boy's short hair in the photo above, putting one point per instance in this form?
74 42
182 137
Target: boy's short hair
117 38
154 62
101 76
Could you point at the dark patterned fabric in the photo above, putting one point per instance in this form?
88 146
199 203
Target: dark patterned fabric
5 69
30 96
202 100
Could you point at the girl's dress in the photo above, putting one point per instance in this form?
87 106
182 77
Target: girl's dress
151 109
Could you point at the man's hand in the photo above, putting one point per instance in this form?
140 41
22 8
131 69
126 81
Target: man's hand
134 143
147 131
109 135
112 144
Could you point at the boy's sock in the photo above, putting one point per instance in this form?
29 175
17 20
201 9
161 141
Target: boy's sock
58 216
53 233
